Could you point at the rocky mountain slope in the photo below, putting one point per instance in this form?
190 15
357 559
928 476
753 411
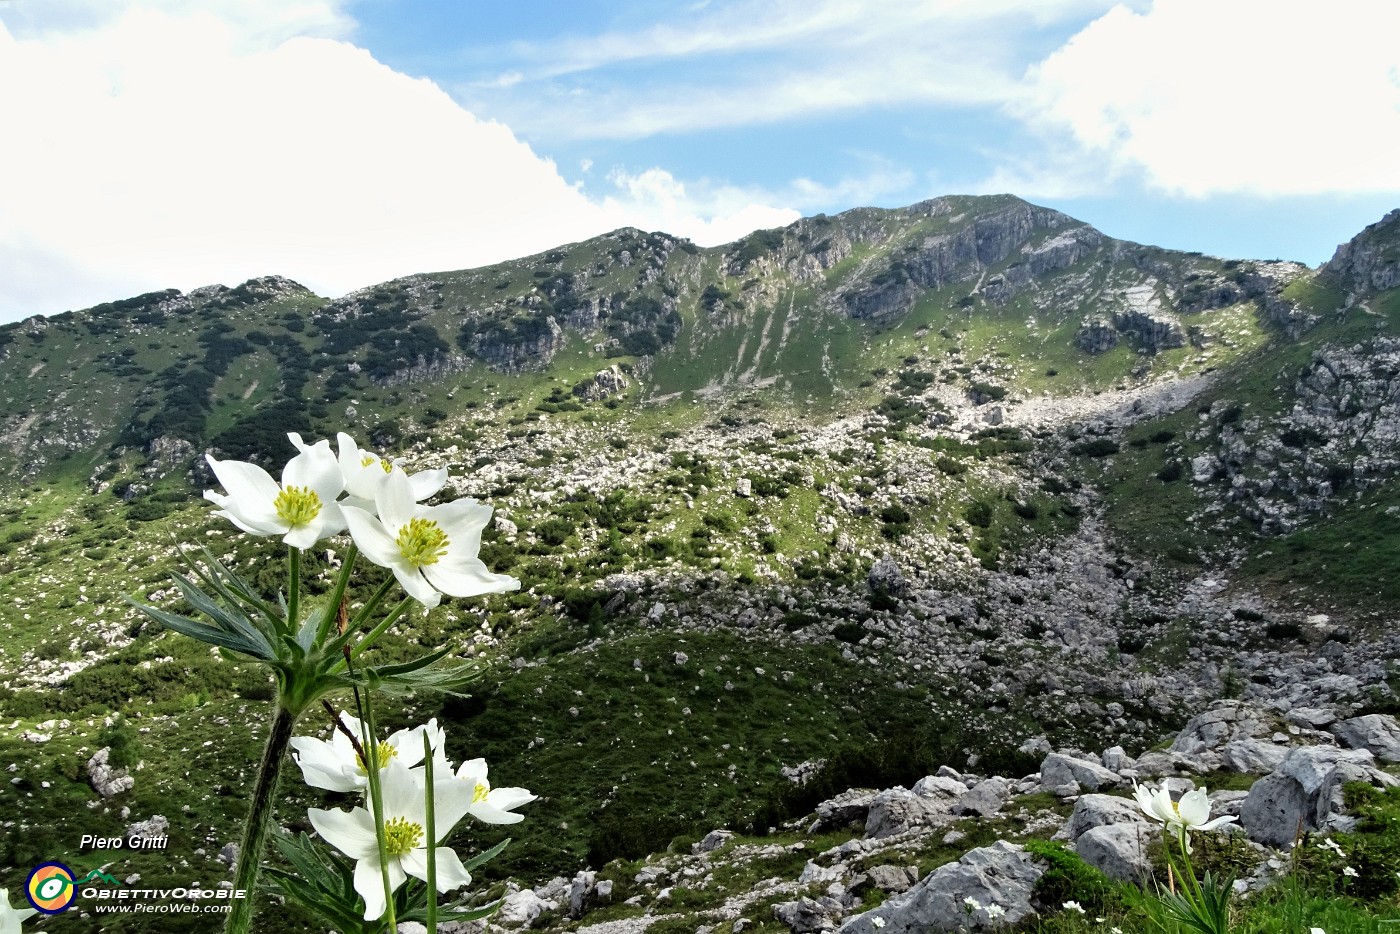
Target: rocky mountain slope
855 499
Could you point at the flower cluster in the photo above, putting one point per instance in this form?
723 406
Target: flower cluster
431 550
1190 812
343 764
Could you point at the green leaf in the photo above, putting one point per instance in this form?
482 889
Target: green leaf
486 857
206 633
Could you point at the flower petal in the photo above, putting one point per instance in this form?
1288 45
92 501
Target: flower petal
370 884
451 874
416 587
467 578
350 832
321 764
394 501
370 536
317 469
425 483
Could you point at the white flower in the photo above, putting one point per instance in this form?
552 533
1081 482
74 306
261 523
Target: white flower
406 853
994 912
491 805
1074 906
1349 872
432 550
877 921
1191 812
336 766
302 509
1317 931
10 918
972 903
364 471
1331 844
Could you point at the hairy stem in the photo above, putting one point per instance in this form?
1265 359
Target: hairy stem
250 850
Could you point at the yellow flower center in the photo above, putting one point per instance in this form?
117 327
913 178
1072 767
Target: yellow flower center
369 460
422 541
297 505
401 836
381 755
480 793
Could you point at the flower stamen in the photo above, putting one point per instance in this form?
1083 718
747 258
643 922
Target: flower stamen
401 836
422 542
297 505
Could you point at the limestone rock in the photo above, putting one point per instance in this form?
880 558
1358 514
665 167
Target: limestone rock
1002 874
1058 770
1092 811
106 780
1377 733
1118 850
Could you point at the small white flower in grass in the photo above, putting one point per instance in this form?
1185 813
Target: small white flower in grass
10 918
1331 844
878 922
1074 906
432 550
302 508
1191 812
364 471
1349 872
352 833
1317 931
336 766
491 805
994 912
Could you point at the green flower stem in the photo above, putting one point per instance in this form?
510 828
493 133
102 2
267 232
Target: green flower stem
372 604
293 587
250 850
378 631
430 819
369 732
347 565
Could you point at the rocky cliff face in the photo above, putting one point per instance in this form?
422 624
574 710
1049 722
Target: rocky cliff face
1370 262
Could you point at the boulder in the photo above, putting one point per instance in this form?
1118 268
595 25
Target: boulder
984 798
849 807
1092 811
893 879
1378 734
1221 723
712 841
807 915
520 909
1058 770
1303 793
1252 756
106 780
897 809
1002 874
1119 850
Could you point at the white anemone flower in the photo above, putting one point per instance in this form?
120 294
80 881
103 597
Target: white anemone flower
491 805
10 918
335 765
1191 812
432 550
406 847
302 508
364 472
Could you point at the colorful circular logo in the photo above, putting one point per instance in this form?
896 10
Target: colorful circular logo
50 888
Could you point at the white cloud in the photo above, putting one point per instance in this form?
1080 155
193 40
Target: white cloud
708 214
154 149
755 62
1265 97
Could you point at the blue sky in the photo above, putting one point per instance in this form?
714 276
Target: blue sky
343 142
